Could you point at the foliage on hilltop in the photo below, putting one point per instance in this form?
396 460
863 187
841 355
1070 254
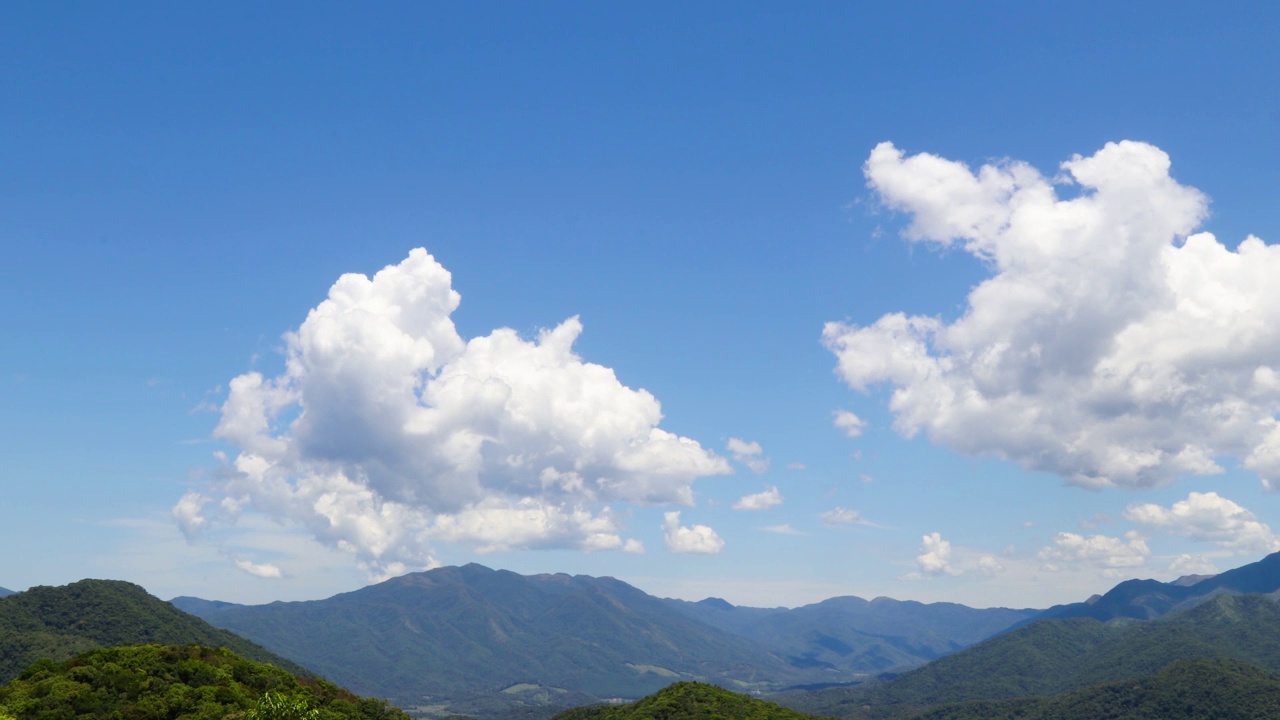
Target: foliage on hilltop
60 622
161 682
688 701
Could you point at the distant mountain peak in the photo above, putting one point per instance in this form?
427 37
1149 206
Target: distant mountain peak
717 603
1189 580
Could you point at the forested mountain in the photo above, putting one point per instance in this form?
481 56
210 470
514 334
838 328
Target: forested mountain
1148 599
146 682
853 635
1054 656
59 622
5 592
459 636
688 701
468 637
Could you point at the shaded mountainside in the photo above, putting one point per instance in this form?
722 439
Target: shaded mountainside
450 635
1054 656
688 701
5 592
59 622
1185 690
169 681
854 635
1149 599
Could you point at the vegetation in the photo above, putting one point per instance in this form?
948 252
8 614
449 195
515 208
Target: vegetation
161 682
688 701
60 622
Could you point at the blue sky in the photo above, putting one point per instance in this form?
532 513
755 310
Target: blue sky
705 188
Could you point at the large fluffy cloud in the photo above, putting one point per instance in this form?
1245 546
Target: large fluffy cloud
1110 345
1209 517
387 432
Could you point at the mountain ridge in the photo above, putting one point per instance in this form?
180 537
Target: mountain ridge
458 633
59 622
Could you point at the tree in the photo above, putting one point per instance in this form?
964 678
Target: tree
274 706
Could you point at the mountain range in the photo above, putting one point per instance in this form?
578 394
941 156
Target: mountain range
849 636
494 643
5 591
471 639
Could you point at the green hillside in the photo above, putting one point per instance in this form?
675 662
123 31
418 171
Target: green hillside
1185 690
161 682
1055 656
59 622
688 701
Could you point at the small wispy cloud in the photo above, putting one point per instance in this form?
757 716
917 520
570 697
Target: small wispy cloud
748 453
783 529
260 570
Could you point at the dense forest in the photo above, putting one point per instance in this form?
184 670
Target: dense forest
162 682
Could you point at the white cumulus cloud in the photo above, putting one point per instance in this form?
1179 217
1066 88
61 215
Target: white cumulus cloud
759 501
388 432
1209 517
1094 551
749 454
935 556
696 539
1110 345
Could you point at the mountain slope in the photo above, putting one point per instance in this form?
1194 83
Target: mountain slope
5 592
1053 656
853 635
688 701
453 634
1185 690
59 622
170 681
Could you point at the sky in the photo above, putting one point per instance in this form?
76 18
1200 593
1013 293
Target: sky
969 302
